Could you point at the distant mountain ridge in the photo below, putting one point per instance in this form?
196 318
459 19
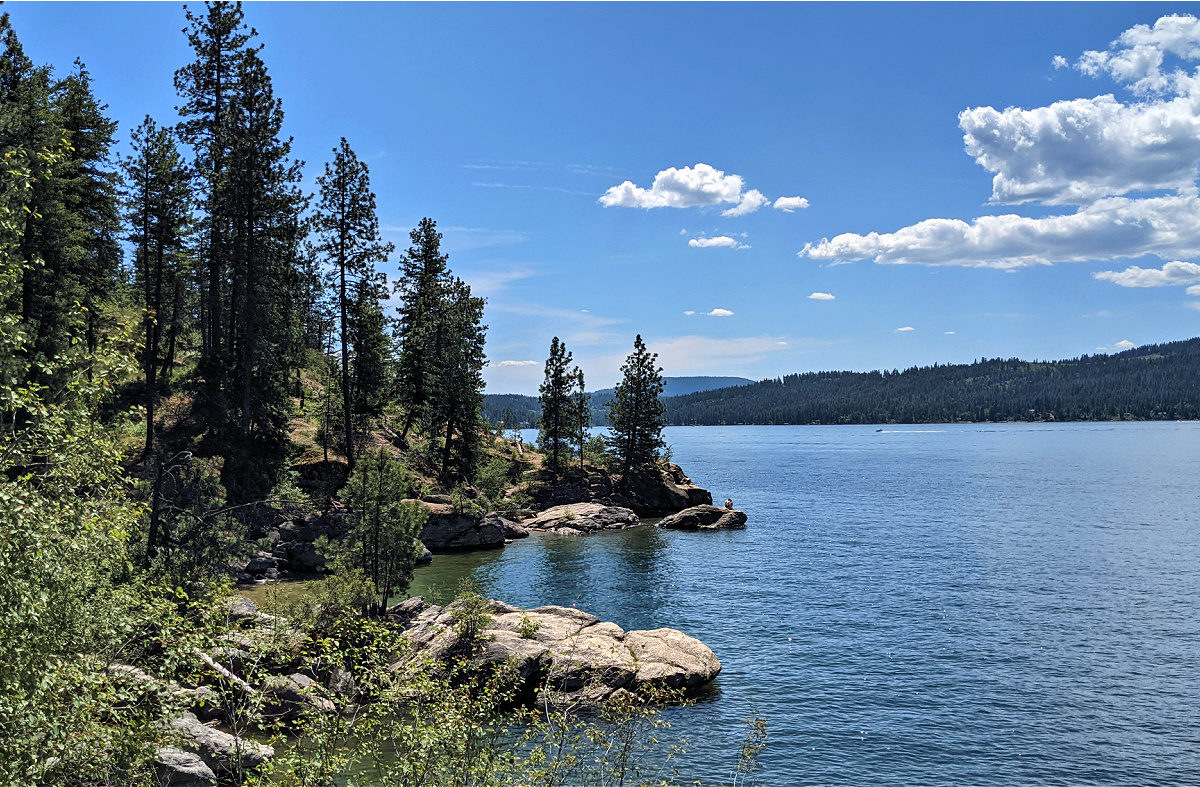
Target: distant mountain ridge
526 410
1155 381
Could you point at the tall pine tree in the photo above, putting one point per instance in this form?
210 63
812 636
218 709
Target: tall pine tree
158 213
635 412
348 232
423 280
556 427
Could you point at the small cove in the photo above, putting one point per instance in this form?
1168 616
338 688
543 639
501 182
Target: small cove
960 604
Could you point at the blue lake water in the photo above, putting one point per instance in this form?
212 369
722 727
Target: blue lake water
959 604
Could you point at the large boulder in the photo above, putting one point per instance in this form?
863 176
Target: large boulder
227 755
177 768
511 529
450 529
662 490
564 653
704 518
583 518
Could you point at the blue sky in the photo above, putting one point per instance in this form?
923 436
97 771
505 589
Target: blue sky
980 180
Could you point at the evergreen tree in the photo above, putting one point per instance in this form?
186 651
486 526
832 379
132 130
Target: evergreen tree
262 335
581 412
420 287
348 231
371 372
456 383
158 213
636 412
384 541
208 87
556 427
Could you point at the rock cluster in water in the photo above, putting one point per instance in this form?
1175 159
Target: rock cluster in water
704 518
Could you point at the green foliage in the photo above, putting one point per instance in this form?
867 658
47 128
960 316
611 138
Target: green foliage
383 542
528 627
65 517
470 612
636 412
492 479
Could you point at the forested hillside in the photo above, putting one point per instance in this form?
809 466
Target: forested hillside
1157 381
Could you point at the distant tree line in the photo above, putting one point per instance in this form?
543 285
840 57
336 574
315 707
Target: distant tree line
1156 381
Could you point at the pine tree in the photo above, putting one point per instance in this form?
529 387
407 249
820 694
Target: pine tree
348 229
557 424
420 287
158 213
581 412
208 87
262 334
456 383
636 412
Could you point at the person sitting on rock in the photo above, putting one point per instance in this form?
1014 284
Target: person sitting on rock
729 503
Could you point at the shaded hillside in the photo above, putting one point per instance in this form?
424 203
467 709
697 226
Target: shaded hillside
1152 382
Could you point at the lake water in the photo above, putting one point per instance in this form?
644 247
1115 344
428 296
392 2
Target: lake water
960 604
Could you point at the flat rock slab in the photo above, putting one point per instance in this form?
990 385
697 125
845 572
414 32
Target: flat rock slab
582 518
704 518
566 654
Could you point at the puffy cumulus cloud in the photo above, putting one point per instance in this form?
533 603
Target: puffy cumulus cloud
821 296
1137 57
719 313
518 363
690 312
1075 152
719 242
1171 274
905 329
689 187
1113 228
790 204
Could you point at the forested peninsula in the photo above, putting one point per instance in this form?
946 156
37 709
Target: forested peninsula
1155 381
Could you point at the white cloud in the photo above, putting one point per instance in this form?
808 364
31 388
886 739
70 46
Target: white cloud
1110 229
719 313
1173 273
518 363
751 201
1074 152
1090 152
1136 58
1124 344
949 333
1193 290
820 296
905 329
719 242
689 312
699 186
1060 62
790 204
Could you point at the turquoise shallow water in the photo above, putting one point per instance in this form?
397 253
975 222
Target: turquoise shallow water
959 604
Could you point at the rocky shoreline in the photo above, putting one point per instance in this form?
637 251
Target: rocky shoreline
600 503
556 656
